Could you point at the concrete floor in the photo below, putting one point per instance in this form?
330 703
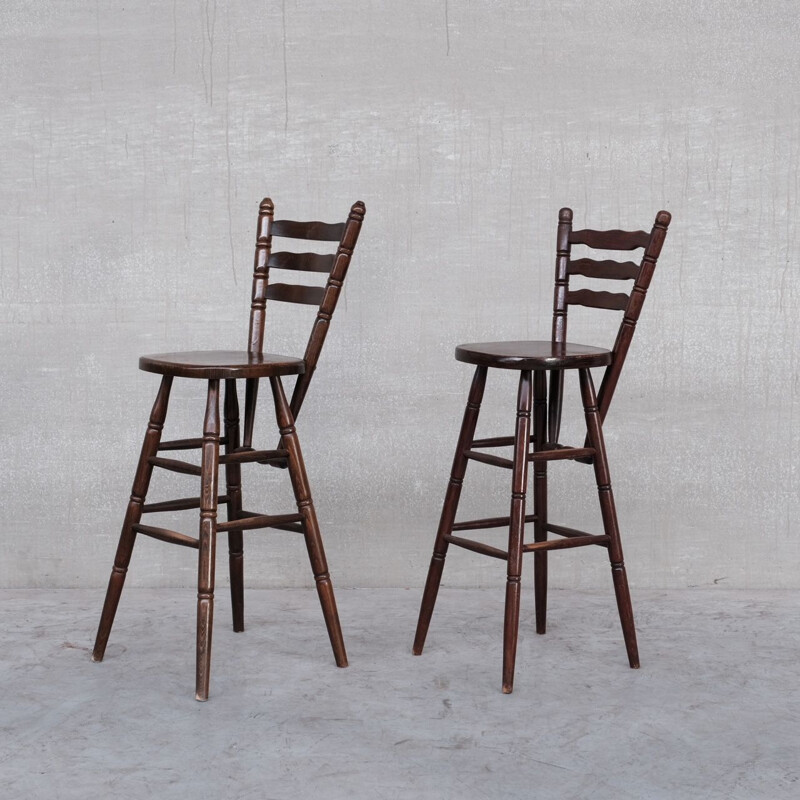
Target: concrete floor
714 713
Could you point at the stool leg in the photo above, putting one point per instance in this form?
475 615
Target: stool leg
233 488
208 539
450 507
516 533
594 429
133 515
305 506
540 497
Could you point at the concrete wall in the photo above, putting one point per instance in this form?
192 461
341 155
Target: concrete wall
136 139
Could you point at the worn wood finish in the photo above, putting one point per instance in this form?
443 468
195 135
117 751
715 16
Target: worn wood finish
233 488
133 515
450 507
305 507
250 365
543 364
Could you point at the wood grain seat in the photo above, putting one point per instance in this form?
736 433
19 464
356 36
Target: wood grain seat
533 355
222 368
221 364
535 442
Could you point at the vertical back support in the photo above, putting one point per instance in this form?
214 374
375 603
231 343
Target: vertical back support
563 249
333 288
258 307
631 315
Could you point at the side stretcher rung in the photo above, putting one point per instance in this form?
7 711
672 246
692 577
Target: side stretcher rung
478 547
497 441
248 456
184 504
186 444
561 453
489 522
563 544
166 535
485 458
294 527
258 521
173 465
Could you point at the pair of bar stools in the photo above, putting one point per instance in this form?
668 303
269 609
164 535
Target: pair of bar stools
541 365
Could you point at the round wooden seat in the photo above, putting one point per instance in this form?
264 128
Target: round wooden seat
533 355
219 364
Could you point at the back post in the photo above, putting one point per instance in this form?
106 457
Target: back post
559 336
258 310
632 312
332 291
258 306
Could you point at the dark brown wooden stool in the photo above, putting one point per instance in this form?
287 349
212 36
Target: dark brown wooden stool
534 360
249 365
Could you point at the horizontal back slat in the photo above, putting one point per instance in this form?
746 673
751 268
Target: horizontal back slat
315 231
306 262
610 240
613 301
611 270
292 293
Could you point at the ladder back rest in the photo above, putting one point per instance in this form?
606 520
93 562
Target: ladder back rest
630 304
334 265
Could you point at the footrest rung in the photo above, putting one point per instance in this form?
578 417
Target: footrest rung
183 504
248 456
563 544
166 535
563 530
478 547
173 465
490 522
485 458
561 452
252 521
186 444
497 441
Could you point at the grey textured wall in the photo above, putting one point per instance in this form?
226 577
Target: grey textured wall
136 139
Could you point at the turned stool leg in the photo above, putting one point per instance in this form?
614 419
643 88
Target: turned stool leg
610 525
305 506
133 515
450 507
540 499
516 533
208 540
233 488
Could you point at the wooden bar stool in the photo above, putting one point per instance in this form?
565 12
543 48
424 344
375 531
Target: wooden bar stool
250 365
535 360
